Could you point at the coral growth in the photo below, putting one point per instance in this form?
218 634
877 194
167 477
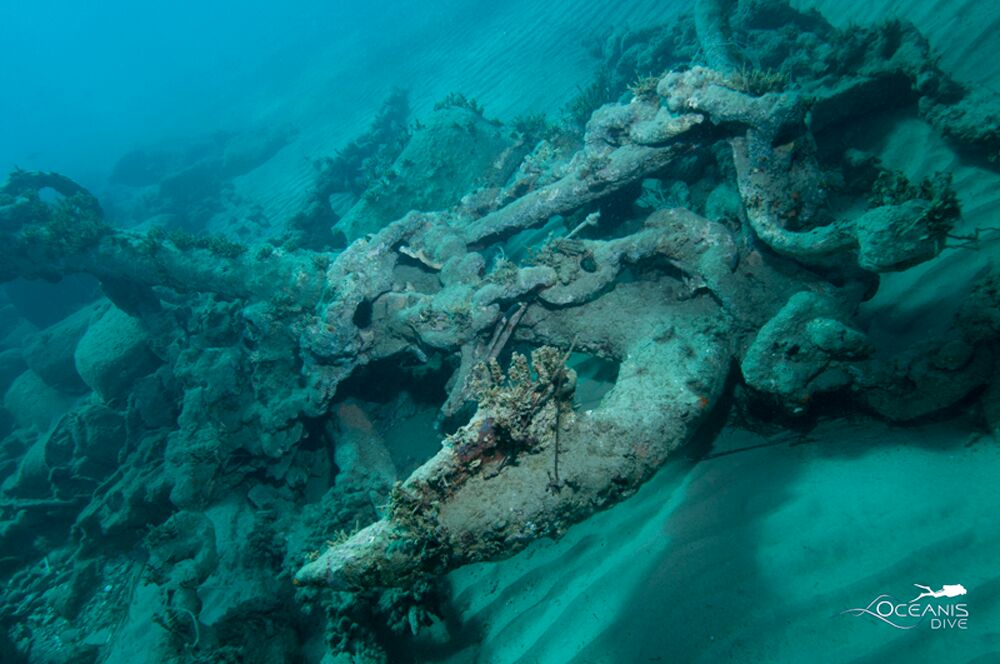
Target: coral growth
714 227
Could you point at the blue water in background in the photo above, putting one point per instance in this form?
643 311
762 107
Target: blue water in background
85 82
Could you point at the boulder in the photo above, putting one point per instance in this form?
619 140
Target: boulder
50 352
806 349
113 354
33 403
895 237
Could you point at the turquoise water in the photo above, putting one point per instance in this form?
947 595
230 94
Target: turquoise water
479 332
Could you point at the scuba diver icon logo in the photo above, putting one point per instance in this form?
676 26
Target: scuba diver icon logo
956 590
908 615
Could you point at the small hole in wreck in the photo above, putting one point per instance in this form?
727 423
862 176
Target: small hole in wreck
595 376
363 314
401 397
